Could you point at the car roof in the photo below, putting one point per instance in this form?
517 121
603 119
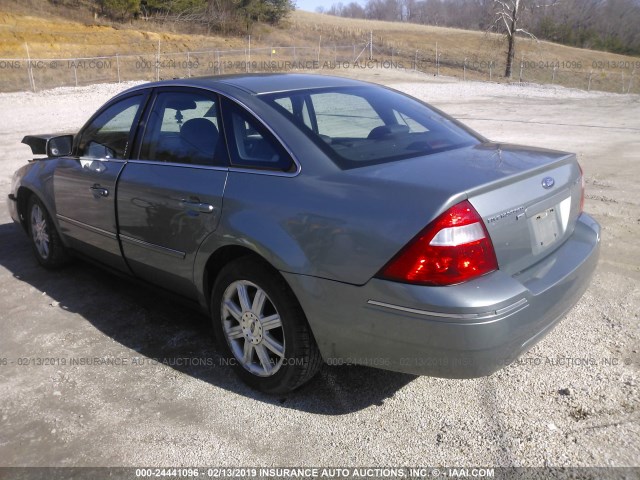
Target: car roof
260 83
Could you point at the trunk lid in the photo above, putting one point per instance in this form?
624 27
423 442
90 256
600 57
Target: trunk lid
528 198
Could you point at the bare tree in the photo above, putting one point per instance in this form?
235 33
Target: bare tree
353 10
610 25
508 13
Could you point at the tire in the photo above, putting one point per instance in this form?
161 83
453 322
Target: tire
261 327
45 241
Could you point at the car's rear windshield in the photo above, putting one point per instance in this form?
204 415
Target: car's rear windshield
360 126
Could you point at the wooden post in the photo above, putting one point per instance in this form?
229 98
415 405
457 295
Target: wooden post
249 57
521 67
32 82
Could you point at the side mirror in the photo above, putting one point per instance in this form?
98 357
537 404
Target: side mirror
60 146
50 145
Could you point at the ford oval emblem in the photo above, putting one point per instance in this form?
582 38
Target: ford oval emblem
548 182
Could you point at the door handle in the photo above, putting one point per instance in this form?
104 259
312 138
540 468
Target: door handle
99 191
197 206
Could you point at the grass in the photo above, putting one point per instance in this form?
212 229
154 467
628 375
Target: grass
406 45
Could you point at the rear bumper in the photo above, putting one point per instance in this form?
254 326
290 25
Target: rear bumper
462 331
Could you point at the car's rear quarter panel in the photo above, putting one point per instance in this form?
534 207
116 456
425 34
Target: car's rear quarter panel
334 226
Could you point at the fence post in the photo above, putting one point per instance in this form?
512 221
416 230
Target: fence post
437 66
75 70
553 76
158 62
464 70
521 67
490 71
631 80
415 61
118 66
589 86
32 81
622 76
189 64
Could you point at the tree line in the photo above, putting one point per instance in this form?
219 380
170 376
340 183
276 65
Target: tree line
226 16
610 25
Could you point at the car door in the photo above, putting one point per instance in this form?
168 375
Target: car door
170 196
85 185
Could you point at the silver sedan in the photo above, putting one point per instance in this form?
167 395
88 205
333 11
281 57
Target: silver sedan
315 219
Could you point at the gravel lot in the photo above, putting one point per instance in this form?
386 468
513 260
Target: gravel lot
573 400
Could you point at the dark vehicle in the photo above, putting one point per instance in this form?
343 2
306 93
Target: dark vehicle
319 218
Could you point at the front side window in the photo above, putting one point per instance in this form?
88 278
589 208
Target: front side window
183 128
360 126
107 136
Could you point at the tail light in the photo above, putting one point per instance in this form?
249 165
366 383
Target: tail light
454 248
582 187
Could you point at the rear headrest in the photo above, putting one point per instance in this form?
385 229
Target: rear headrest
384 130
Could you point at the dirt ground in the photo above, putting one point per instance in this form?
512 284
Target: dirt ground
98 371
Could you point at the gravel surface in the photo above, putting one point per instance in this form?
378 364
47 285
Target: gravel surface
571 401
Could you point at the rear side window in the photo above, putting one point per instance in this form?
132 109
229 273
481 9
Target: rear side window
251 145
107 136
360 126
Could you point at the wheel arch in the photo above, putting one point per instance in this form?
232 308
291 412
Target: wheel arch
218 260
222 257
23 195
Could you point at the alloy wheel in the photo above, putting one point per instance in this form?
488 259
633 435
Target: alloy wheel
40 231
253 328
